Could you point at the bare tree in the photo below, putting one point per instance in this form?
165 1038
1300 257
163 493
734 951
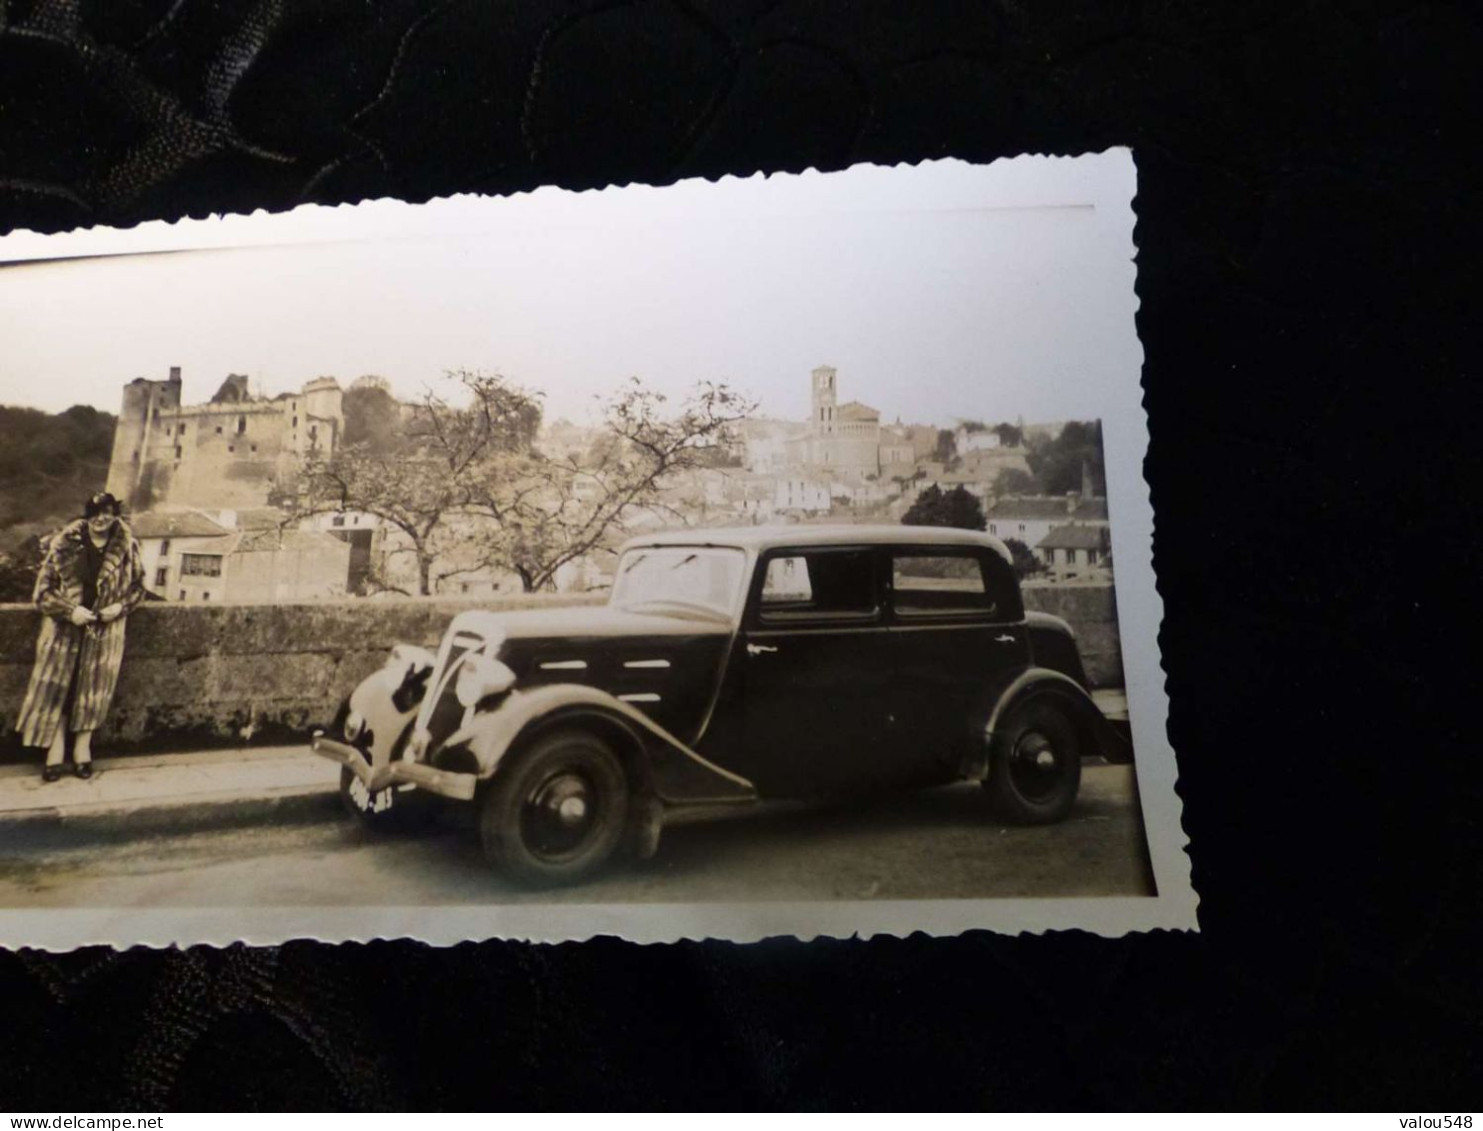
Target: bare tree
549 512
421 479
469 489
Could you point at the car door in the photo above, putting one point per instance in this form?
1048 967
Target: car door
958 635
816 672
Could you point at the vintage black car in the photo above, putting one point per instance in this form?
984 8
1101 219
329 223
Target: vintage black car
728 666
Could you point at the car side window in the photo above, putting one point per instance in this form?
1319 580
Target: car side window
818 586
940 584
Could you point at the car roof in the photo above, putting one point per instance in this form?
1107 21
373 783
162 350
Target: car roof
830 534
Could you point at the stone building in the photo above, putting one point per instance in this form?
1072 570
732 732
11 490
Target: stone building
236 450
847 440
1076 552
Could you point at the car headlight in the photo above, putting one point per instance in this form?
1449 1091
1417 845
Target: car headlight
481 676
355 726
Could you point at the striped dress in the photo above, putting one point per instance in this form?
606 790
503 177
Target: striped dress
84 660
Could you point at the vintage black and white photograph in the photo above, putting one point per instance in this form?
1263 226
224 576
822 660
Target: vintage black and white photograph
732 559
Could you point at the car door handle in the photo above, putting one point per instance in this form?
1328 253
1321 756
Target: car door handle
1004 638
758 649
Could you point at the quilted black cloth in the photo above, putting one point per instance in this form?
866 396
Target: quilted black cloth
1308 203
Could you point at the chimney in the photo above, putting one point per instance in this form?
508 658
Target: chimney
175 373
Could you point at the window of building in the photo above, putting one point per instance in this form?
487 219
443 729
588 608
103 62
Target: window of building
819 585
231 447
136 457
254 447
218 429
338 520
1070 557
161 577
164 547
1022 528
940 585
1092 557
241 425
296 422
200 565
180 431
182 594
993 529
179 451
206 596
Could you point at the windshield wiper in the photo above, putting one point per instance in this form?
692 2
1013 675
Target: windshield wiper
684 561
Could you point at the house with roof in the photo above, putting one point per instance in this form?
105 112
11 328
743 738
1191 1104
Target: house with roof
172 542
1030 518
191 556
1076 552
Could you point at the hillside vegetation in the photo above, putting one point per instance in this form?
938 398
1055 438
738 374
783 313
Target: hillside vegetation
49 464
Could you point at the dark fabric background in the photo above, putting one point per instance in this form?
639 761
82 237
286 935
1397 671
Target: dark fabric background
1308 202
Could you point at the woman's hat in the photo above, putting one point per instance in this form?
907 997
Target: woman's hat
101 502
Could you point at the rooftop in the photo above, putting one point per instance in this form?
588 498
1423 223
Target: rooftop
1071 537
175 524
1049 506
854 410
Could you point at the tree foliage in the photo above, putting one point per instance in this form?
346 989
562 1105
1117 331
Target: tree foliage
936 507
18 571
946 450
1025 561
1010 435
50 463
1013 481
1057 463
372 415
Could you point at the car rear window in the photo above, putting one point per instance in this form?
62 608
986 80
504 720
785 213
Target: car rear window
927 585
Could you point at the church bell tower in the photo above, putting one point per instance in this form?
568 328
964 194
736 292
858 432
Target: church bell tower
824 399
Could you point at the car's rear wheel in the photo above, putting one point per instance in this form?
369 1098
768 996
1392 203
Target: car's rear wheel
389 810
1036 765
556 811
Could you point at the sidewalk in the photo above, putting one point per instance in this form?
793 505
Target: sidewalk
217 785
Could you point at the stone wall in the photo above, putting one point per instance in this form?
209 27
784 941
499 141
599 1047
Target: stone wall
1091 610
197 676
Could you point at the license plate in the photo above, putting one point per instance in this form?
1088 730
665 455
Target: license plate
367 801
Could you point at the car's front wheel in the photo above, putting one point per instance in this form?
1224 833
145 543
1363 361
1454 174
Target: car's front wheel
556 811
1036 765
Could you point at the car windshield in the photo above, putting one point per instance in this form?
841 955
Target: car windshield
702 582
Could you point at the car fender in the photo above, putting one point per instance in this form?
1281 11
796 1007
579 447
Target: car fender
388 698
672 770
1096 733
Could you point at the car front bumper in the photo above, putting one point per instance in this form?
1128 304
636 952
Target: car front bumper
445 783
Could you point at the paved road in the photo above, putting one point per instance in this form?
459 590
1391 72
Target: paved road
937 844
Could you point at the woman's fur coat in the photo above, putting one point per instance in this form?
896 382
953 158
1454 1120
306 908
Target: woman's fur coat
91 654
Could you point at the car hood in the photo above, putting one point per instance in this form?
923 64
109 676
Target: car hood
587 621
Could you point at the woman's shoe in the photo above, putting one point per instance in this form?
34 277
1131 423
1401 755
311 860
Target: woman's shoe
51 773
83 770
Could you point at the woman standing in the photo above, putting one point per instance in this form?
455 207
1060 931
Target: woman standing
91 580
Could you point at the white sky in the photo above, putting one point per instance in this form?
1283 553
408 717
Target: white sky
939 291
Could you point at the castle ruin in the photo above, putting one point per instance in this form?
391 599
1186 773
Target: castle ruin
235 451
